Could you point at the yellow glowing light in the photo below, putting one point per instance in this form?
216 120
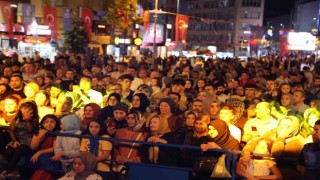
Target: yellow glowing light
138 41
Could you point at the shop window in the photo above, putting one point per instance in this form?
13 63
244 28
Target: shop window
250 15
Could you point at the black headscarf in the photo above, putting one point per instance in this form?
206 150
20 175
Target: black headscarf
144 103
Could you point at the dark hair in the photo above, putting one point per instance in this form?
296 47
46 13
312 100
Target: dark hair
46 94
102 130
55 118
174 93
17 75
33 106
228 107
317 122
159 84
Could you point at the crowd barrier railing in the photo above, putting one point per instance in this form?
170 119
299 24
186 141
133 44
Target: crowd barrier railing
230 160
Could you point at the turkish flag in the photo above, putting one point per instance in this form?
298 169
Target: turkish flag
181 27
50 19
87 22
7 15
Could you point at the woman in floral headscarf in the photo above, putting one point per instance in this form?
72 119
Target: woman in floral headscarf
127 151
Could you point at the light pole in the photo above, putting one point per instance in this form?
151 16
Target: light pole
154 34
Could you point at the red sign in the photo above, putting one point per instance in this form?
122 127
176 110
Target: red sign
7 14
87 22
50 19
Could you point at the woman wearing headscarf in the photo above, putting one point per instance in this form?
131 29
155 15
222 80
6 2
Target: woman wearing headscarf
208 136
107 112
67 148
91 112
140 103
222 136
154 154
83 168
166 113
127 151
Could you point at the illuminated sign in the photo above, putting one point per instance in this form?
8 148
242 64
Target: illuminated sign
149 34
39 30
301 41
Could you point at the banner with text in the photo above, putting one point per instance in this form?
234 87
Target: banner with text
28 15
67 19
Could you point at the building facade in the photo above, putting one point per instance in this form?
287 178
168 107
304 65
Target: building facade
225 24
306 15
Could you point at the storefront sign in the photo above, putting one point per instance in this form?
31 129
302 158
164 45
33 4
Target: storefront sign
39 30
37 40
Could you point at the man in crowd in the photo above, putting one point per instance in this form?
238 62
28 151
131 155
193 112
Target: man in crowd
308 163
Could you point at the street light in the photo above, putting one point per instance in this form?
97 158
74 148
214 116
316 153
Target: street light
154 34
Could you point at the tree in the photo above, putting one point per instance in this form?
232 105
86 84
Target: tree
122 14
76 39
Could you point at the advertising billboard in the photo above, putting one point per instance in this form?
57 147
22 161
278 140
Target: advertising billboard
149 34
301 41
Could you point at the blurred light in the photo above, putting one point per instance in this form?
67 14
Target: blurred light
101 26
14 5
138 41
169 26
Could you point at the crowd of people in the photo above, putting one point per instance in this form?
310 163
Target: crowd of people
266 106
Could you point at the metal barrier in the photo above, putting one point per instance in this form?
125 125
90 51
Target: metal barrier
161 172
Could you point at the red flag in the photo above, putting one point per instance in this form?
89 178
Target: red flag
87 22
50 19
7 15
181 27
146 20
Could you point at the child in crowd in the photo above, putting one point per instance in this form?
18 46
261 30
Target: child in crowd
21 128
259 168
43 143
97 129
67 148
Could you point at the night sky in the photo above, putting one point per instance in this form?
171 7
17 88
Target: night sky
278 7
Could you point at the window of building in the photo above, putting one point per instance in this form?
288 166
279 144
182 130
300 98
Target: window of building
246 27
250 15
203 37
251 3
197 27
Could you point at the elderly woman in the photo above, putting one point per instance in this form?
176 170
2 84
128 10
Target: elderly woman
166 112
83 168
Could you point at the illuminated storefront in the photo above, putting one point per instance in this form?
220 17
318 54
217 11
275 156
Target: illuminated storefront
37 39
